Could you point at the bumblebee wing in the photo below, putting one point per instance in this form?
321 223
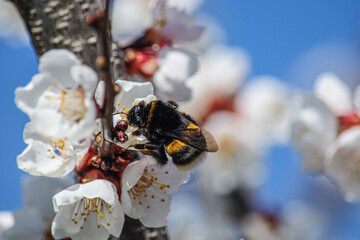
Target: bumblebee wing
211 144
194 137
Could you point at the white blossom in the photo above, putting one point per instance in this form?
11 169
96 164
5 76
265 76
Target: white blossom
12 26
59 100
48 157
146 188
330 89
88 211
33 221
222 70
266 101
314 128
342 162
237 163
6 222
176 65
130 19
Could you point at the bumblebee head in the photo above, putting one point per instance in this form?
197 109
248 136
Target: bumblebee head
136 116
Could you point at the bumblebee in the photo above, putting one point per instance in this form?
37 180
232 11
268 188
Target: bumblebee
170 134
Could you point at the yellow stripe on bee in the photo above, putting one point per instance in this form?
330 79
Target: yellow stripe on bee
192 126
151 113
174 146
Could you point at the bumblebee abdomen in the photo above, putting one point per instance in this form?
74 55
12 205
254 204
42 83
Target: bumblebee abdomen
182 154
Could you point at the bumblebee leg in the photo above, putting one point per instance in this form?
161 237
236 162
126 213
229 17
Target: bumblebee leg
173 104
158 153
146 146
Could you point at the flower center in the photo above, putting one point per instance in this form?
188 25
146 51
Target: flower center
72 103
86 208
149 186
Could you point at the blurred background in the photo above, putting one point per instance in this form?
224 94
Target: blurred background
289 43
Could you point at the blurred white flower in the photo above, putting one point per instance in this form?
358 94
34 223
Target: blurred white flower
59 100
266 102
238 161
34 219
146 188
342 162
48 157
190 219
12 27
176 66
88 211
179 26
6 222
130 18
314 127
334 93
221 72
187 5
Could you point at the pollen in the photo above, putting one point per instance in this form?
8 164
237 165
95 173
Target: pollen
123 107
148 207
166 172
118 104
81 227
152 169
53 157
98 226
107 224
140 203
163 200
127 111
49 150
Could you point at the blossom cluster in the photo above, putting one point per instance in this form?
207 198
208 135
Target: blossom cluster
66 134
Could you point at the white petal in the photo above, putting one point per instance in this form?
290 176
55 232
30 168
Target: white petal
12 26
342 163
62 226
132 173
95 189
85 77
28 225
357 99
314 127
57 64
265 100
37 161
100 93
180 26
6 220
130 18
156 215
177 63
27 97
130 91
334 93
169 175
176 66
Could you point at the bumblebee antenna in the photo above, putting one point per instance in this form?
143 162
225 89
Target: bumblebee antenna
115 113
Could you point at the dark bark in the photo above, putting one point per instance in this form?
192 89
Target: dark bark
60 24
